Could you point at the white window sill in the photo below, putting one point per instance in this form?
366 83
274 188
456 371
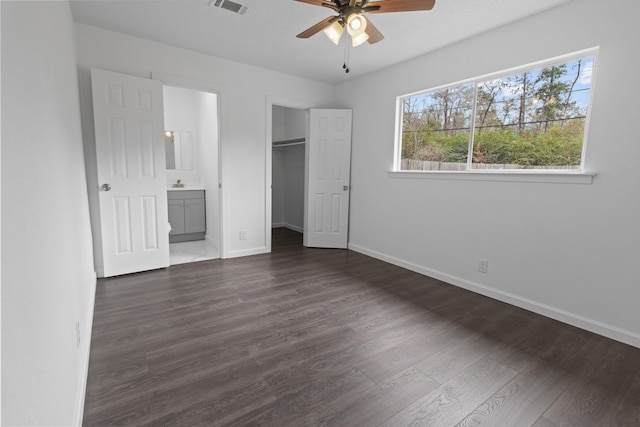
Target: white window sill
509 176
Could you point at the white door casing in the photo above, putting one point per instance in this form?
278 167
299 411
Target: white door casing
128 117
328 167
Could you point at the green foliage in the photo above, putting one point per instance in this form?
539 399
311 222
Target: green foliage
561 144
434 145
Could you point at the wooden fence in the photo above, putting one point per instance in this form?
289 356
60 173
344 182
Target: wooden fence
426 165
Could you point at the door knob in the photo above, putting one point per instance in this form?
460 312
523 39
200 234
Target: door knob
105 187
345 187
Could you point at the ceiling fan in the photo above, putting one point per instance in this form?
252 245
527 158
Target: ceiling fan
351 14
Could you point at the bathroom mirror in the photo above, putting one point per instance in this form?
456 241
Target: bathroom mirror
179 149
168 148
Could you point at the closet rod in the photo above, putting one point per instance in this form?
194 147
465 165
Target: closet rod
288 142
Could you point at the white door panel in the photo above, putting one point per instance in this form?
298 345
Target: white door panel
328 169
128 119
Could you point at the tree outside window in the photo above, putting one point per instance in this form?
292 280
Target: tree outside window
533 119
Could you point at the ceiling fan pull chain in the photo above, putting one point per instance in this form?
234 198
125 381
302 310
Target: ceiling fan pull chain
345 66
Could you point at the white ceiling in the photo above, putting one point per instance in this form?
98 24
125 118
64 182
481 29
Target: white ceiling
266 35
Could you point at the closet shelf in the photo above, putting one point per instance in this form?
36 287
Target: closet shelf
288 142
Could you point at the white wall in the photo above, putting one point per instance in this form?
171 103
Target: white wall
294 187
288 123
566 250
207 113
48 279
242 127
288 187
278 169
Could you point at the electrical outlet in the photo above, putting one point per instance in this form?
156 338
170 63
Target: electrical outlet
243 235
77 334
483 265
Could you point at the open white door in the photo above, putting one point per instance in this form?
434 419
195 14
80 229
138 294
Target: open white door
328 169
128 119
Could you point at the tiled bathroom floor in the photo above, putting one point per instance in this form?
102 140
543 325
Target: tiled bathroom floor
199 250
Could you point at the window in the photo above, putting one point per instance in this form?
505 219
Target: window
531 119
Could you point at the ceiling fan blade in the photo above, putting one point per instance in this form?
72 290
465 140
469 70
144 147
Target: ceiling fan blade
374 34
318 27
387 6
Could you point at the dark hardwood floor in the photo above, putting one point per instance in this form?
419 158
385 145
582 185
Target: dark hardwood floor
306 337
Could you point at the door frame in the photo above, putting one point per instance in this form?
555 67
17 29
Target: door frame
221 99
272 101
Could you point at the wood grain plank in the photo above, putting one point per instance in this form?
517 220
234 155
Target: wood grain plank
628 412
522 399
593 397
423 344
377 402
453 359
543 422
216 401
453 400
307 406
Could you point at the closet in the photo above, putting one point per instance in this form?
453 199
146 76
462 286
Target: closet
288 167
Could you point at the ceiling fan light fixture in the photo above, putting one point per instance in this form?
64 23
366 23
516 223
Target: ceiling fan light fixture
356 24
334 32
359 39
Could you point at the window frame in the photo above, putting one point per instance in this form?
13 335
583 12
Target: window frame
579 175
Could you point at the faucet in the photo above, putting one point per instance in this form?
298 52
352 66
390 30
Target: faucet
178 184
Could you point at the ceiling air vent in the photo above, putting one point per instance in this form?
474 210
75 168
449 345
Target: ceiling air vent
231 6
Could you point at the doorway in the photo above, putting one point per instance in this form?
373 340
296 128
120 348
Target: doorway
288 167
309 185
192 152
286 129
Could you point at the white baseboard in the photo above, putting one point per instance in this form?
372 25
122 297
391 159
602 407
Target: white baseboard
247 252
86 351
600 328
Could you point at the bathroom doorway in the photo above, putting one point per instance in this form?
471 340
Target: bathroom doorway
192 153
